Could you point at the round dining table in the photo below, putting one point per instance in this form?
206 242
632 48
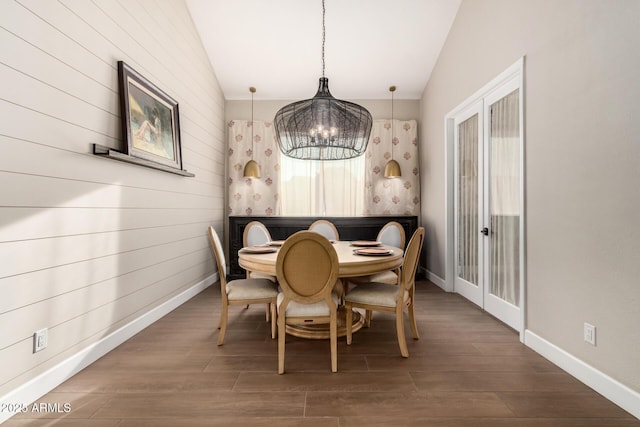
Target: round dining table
350 264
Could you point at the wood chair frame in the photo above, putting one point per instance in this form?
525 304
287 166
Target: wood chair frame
307 269
222 272
406 285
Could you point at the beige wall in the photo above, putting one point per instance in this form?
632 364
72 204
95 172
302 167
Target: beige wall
582 161
403 109
88 244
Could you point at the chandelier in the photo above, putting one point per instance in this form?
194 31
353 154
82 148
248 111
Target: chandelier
323 127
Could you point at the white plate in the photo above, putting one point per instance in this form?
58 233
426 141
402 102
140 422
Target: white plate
365 243
259 249
373 251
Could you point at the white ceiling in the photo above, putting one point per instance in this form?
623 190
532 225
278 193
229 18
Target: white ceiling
276 45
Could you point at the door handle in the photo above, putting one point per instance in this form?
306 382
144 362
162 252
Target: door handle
485 231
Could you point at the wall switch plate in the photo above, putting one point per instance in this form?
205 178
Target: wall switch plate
590 334
40 340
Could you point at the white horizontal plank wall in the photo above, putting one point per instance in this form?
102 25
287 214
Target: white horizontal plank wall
88 244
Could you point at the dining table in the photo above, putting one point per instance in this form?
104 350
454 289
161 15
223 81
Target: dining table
355 258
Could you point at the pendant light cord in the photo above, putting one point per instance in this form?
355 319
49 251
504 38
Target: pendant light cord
323 36
392 89
253 129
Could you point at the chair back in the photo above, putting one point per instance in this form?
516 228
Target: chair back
392 234
218 254
307 267
325 228
411 259
255 233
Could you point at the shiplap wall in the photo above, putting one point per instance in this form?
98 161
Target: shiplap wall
88 244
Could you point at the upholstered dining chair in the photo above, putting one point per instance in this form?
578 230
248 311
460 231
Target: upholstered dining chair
392 234
307 268
241 291
326 228
391 298
256 233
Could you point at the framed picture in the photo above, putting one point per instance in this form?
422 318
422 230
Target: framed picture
150 119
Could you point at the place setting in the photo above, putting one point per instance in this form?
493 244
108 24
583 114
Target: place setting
259 249
373 251
366 243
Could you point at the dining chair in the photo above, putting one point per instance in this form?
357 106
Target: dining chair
307 268
241 291
392 234
391 298
325 228
256 233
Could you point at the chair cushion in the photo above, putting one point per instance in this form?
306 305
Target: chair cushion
256 275
296 309
388 277
375 294
241 289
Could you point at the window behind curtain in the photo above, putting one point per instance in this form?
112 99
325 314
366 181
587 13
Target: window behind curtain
322 188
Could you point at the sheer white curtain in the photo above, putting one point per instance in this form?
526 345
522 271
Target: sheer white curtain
253 196
393 196
322 188
505 198
357 186
467 202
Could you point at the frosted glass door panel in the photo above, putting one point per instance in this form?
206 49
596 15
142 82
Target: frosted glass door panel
468 182
505 198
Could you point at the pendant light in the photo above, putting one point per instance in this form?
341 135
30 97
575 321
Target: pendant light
252 169
392 168
323 127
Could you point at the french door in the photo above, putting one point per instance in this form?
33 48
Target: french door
488 201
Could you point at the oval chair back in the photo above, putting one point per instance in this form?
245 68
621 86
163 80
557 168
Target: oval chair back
307 269
220 259
411 260
255 233
325 228
392 234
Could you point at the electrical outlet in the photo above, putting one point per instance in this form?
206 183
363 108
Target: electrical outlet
590 334
40 340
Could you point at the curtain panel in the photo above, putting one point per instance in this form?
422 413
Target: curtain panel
252 196
392 196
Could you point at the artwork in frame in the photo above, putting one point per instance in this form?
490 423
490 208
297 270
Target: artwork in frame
150 119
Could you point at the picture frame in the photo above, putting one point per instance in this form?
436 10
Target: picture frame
150 120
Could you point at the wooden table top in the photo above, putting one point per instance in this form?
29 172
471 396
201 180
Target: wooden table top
350 264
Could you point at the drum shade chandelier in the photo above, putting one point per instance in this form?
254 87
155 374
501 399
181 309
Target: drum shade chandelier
252 169
323 127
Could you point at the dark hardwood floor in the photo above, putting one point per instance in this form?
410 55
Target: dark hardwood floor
467 369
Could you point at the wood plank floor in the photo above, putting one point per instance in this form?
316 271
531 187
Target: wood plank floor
467 369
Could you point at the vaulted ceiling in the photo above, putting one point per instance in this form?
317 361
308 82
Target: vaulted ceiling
276 45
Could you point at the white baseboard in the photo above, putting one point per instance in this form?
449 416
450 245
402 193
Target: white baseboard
615 391
435 279
50 379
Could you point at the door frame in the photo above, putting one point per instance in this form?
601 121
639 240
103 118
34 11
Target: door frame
515 71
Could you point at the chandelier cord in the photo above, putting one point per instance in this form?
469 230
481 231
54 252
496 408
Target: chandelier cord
323 36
